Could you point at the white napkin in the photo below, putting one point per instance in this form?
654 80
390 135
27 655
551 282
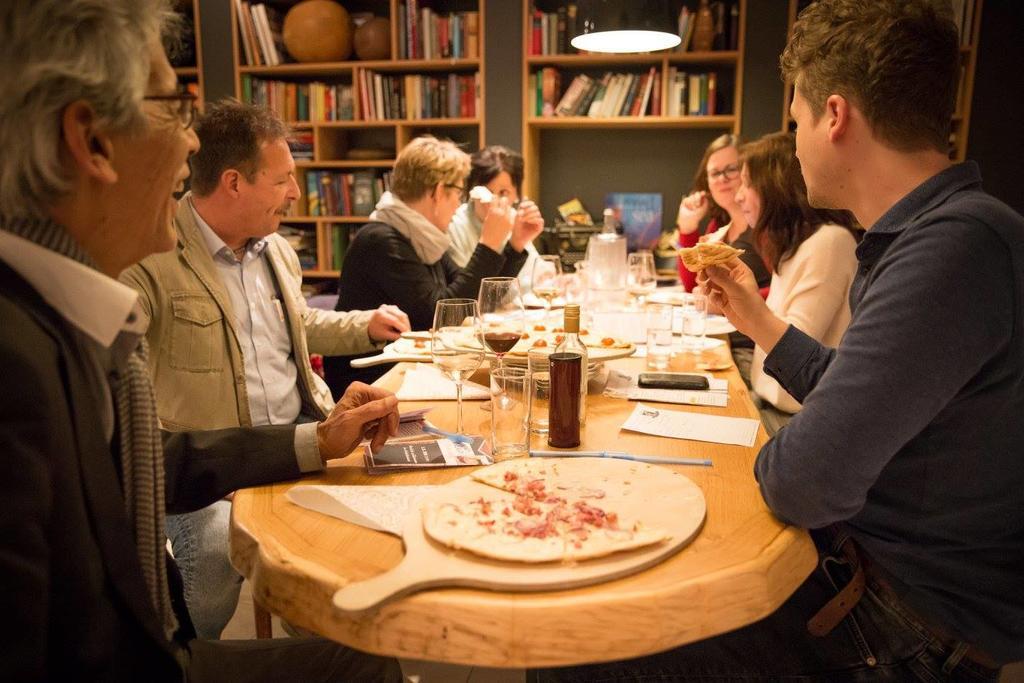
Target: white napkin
427 383
383 508
741 431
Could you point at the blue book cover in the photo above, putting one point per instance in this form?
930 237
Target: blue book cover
640 216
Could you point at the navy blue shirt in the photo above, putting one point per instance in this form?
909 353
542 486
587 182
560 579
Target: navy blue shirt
912 432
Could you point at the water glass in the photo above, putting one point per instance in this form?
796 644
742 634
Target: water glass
695 316
510 412
659 336
540 391
641 278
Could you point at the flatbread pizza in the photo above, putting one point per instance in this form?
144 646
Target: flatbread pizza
704 254
533 516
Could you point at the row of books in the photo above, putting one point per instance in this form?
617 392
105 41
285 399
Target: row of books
303 241
551 32
691 94
338 236
301 145
260 28
413 96
726 23
425 34
300 101
330 193
615 94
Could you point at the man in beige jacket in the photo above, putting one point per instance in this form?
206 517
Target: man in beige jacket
229 329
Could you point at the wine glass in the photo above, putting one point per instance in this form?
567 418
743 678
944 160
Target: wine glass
453 346
641 277
503 319
547 280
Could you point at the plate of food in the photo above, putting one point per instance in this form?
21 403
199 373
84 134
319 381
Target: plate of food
544 338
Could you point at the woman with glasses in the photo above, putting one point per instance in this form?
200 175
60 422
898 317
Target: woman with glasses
712 206
500 170
400 257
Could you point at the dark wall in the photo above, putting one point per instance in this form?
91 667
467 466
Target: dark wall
589 164
996 136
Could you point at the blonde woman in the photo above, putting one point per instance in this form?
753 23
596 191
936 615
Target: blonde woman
401 258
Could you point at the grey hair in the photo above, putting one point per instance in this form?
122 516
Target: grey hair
56 52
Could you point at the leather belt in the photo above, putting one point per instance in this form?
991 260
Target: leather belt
836 609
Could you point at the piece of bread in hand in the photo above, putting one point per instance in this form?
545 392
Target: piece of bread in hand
705 254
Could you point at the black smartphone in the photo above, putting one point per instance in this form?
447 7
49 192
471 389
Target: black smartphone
672 380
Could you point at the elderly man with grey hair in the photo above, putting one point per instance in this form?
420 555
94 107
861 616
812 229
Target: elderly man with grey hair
96 136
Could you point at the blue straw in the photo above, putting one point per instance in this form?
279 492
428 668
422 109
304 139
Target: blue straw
622 455
457 438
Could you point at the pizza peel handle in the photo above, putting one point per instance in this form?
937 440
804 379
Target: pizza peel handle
405 578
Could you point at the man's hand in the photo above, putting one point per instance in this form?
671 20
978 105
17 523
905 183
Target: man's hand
529 223
692 209
497 224
364 412
732 288
387 323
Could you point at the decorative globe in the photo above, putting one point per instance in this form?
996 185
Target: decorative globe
318 31
373 39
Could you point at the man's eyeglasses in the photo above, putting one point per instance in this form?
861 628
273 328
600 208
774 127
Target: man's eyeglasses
186 105
453 186
727 173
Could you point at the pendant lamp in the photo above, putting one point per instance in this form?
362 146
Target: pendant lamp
621 26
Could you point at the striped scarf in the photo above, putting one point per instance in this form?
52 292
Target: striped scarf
142 459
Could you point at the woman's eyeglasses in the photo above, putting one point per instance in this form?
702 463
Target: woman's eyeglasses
727 173
186 105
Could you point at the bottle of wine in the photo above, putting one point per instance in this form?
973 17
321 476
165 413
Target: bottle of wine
568 393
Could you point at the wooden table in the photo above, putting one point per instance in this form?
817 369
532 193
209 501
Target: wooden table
740 568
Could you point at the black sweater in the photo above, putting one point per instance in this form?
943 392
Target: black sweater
381 267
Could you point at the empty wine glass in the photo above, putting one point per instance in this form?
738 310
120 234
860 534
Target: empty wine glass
503 319
641 277
547 281
453 346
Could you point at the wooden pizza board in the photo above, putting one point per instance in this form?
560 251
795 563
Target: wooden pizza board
657 495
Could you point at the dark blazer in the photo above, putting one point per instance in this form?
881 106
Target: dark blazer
73 601
381 267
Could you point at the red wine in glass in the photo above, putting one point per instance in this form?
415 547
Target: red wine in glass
501 342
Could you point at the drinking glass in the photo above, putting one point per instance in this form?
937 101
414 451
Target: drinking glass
503 319
547 281
540 390
659 336
453 343
510 412
695 315
641 277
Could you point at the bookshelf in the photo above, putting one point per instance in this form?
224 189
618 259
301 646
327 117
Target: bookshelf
351 117
967 16
650 106
188 66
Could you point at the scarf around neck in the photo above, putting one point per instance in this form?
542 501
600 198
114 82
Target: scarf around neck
428 242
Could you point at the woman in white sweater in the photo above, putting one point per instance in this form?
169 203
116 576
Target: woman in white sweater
810 252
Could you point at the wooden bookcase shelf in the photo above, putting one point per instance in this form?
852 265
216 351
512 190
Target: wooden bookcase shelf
968 59
190 72
331 139
729 63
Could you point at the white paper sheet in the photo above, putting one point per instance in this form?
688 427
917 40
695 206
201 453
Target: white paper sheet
622 385
383 508
739 431
427 383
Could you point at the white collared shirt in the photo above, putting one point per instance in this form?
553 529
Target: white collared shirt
271 376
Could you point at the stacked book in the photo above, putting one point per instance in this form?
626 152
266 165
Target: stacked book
300 101
303 241
415 96
726 18
301 145
424 34
613 95
260 28
550 32
329 193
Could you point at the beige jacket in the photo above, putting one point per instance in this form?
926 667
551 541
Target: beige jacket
196 359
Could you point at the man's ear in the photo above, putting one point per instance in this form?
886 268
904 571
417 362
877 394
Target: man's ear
90 148
230 180
837 113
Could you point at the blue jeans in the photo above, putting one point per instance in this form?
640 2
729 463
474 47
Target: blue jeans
199 541
877 641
